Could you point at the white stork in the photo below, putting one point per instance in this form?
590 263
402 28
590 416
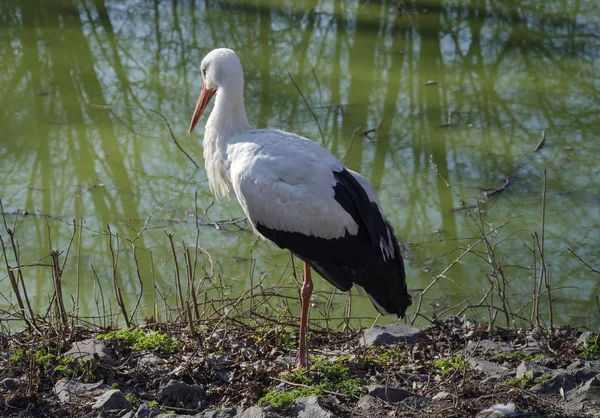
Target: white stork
298 195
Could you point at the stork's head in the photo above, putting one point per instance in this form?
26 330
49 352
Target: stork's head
221 70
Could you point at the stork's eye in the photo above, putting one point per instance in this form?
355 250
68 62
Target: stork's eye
204 72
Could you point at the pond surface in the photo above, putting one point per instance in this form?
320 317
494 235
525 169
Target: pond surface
434 103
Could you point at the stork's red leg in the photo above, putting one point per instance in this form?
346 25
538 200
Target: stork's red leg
307 288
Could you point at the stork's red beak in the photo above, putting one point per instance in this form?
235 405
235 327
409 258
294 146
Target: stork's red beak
203 100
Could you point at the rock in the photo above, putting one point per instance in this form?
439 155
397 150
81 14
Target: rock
257 412
588 392
221 362
532 349
583 339
417 402
151 360
487 346
440 396
72 391
220 413
531 369
105 414
145 411
487 367
583 369
175 416
369 403
389 394
310 408
534 335
112 399
181 395
11 383
390 334
90 349
566 381
497 411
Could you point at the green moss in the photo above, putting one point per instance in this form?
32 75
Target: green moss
141 341
286 398
519 355
323 376
17 356
592 351
70 367
449 364
133 400
44 359
153 404
528 380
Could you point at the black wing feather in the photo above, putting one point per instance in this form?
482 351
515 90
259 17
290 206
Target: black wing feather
353 258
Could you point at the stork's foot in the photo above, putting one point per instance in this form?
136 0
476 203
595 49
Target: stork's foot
294 370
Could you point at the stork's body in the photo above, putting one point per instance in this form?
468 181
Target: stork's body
298 195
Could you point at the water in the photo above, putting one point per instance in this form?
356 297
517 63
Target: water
450 91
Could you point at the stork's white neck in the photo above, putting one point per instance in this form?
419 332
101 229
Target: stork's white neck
227 119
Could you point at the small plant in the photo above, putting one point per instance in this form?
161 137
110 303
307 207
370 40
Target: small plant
527 380
286 398
450 364
141 341
44 359
518 355
133 400
114 386
70 367
323 376
592 351
153 404
18 356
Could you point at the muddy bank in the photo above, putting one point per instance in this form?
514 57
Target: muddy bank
454 368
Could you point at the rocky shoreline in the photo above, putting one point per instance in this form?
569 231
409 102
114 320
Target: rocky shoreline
452 368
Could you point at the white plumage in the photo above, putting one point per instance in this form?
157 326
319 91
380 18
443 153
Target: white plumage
295 193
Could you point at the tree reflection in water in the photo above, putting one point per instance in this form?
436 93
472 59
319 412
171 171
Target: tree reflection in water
469 85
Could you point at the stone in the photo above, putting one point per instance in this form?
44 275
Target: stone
112 399
487 346
181 395
531 369
91 349
390 394
13 384
70 390
390 334
583 339
563 380
310 408
440 396
221 362
532 349
220 413
417 402
151 360
369 403
534 335
257 412
488 368
497 411
588 392
145 411
584 370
